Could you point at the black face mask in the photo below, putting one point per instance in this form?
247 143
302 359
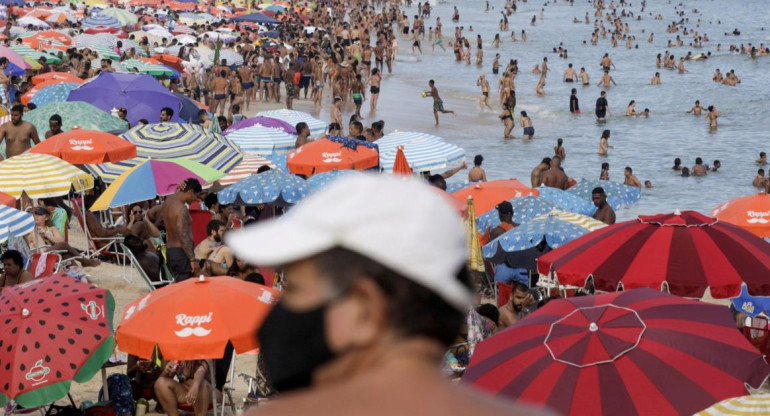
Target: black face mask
293 345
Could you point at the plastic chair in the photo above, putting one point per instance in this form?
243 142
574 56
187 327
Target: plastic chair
200 219
135 265
757 332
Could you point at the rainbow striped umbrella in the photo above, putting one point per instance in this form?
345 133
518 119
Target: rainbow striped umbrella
153 178
317 127
173 140
41 176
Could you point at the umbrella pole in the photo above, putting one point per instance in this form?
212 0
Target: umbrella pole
214 391
85 222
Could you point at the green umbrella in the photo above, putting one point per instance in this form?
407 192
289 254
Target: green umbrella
105 52
122 15
28 52
147 68
74 114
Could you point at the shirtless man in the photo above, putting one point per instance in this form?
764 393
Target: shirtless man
558 150
584 77
680 67
537 172
569 74
555 176
246 78
17 133
358 93
477 173
179 241
630 179
606 80
712 116
699 169
54 123
305 75
604 211
717 76
655 79
696 109
265 80
219 89
759 180
606 63
4 81
517 306
762 161
484 84
438 104
288 79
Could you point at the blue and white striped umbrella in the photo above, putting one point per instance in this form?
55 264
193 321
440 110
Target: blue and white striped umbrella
317 127
322 180
567 201
424 155
55 93
392 140
261 140
617 193
524 209
556 227
14 222
101 20
272 186
189 17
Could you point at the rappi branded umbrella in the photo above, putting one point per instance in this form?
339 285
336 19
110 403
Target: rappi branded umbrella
86 146
332 153
55 330
487 195
685 252
638 352
751 213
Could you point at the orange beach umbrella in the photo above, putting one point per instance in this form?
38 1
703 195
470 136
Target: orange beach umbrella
58 76
486 195
401 165
332 153
86 147
752 213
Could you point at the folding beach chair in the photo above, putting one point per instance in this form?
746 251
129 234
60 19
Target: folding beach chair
132 263
97 245
200 219
44 264
757 332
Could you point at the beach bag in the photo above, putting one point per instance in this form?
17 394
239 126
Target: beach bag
98 409
119 389
55 410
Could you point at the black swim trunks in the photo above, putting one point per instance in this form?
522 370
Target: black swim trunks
374 90
178 264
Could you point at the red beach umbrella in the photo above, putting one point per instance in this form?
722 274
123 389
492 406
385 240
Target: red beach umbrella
401 165
639 352
686 252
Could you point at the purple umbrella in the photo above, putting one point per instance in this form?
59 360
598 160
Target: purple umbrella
142 95
264 121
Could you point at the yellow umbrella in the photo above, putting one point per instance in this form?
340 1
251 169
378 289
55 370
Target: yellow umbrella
743 406
41 176
33 63
475 258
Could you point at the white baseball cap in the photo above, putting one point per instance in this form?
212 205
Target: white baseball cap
403 224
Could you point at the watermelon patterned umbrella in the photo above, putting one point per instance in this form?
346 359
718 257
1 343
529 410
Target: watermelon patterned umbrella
55 330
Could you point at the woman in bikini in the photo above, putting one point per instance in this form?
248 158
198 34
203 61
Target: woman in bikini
47 238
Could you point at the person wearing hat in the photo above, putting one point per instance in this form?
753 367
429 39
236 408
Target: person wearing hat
376 290
47 238
505 212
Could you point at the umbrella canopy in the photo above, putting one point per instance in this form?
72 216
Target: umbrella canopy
624 353
96 39
332 153
292 117
486 195
248 166
190 108
617 193
424 155
153 178
524 209
74 114
171 61
751 305
556 227
391 141
272 186
138 66
567 201
123 16
32 21
322 180
53 93
228 56
14 222
47 83
143 95
262 121
685 252
50 343
51 35
255 18
185 330
401 165
754 405
55 76
13 57
101 20
751 213
41 176
86 146
262 140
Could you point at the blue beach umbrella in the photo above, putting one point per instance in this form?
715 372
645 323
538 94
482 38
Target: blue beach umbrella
556 227
55 93
751 305
617 193
101 20
261 140
424 155
322 180
567 201
270 187
255 18
316 126
14 222
524 209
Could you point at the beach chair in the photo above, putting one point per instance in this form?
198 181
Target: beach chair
200 219
757 332
44 264
132 263
97 245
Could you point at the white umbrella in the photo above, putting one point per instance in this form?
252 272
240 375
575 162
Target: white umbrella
34 21
186 39
317 127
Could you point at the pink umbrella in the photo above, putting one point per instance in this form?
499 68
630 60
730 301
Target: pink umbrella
14 57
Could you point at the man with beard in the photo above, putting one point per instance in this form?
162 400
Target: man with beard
517 306
215 229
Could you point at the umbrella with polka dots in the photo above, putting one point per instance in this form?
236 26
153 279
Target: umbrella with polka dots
52 331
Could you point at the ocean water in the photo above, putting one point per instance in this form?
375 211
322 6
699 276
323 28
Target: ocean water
648 145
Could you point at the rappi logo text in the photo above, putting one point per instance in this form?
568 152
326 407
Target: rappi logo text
193 325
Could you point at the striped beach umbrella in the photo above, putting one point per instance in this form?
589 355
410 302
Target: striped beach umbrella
556 227
424 155
101 20
28 52
261 140
123 16
106 52
755 405
524 209
147 68
637 352
14 222
271 187
317 127
41 176
618 194
248 166
391 141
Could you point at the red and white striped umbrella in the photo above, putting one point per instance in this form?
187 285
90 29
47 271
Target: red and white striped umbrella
247 167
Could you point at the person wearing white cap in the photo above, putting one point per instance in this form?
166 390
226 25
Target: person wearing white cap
376 289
